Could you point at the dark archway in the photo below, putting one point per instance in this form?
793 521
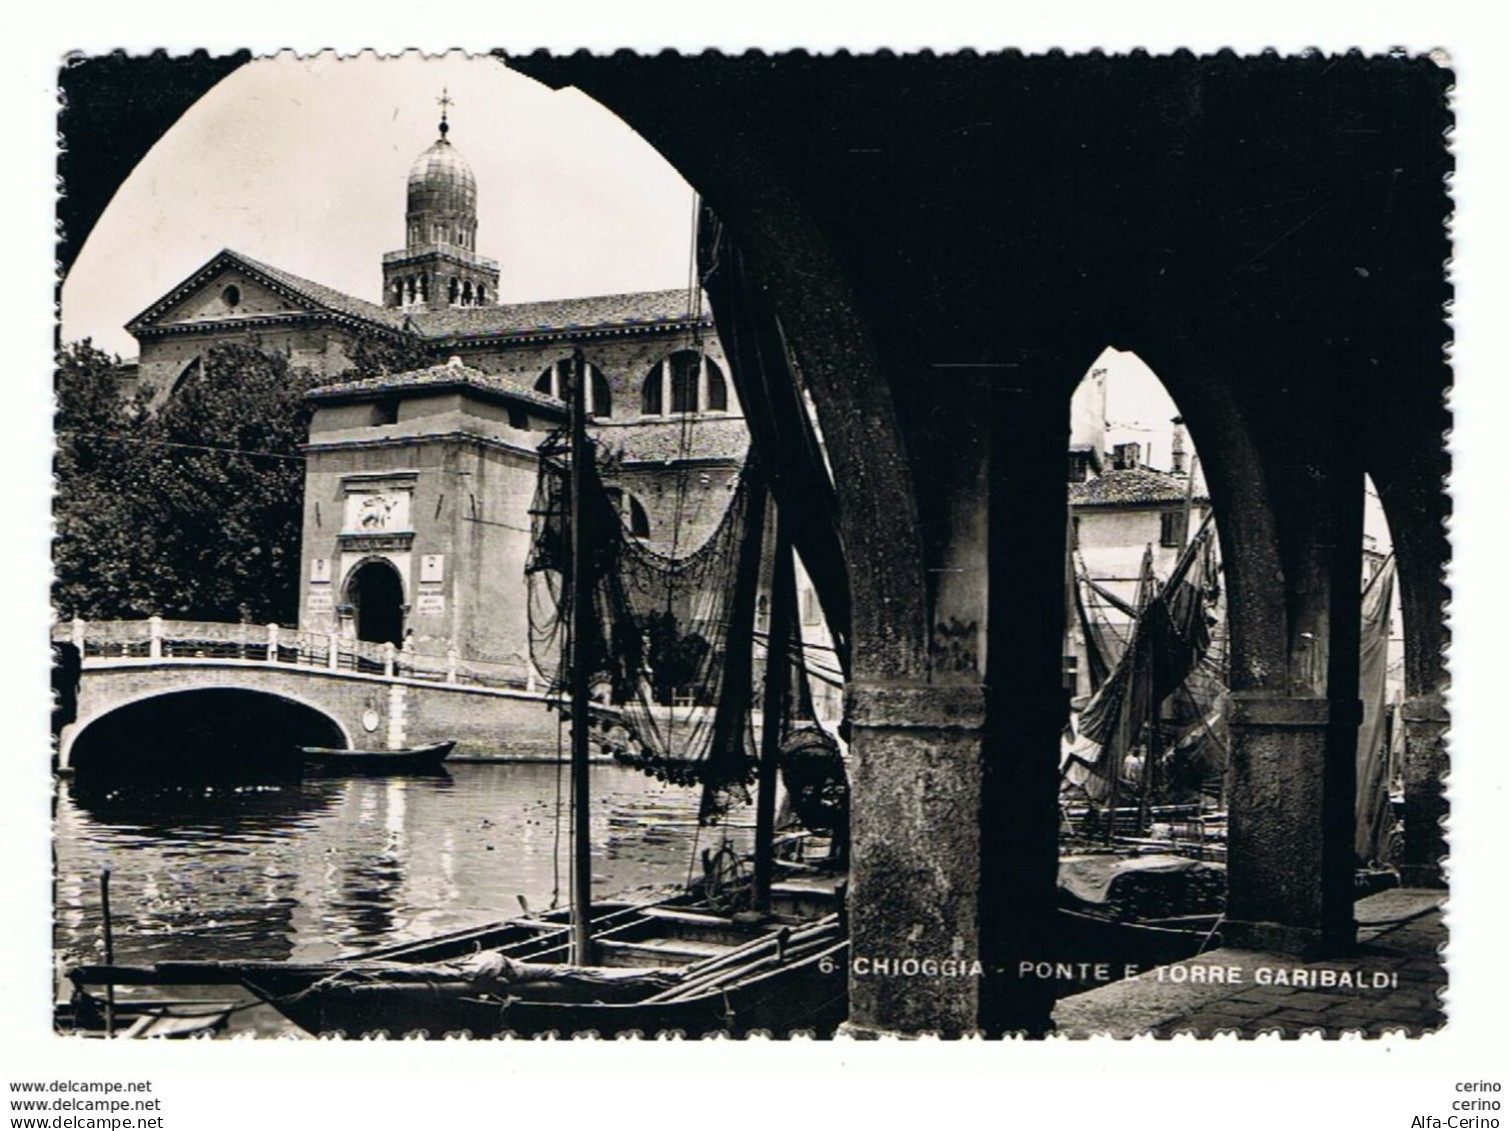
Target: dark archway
202 733
376 593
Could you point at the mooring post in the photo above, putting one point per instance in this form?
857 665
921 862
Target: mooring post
109 951
78 627
155 637
453 661
389 652
272 643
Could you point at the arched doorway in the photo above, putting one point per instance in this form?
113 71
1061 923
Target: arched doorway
376 595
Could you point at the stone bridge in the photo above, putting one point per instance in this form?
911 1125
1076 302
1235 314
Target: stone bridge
322 689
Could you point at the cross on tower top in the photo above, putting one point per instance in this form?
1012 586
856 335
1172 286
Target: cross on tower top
446 102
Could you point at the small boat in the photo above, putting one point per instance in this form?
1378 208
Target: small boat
425 759
791 979
676 965
86 1015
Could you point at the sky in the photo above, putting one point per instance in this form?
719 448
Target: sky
303 163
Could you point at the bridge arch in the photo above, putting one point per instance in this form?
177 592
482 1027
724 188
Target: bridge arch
209 729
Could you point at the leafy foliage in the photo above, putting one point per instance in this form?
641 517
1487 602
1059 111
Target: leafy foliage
193 511
372 356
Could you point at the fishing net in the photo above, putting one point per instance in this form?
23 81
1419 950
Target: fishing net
666 637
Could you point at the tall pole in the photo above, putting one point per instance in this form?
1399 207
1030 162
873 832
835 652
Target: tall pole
1195 462
1151 747
773 708
581 610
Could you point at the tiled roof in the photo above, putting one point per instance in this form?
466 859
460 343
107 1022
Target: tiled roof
642 308
665 442
1127 487
449 375
645 308
328 297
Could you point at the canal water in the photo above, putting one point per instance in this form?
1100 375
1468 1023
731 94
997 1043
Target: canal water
307 869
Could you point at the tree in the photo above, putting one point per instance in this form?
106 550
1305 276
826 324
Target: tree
194 511
94 547
374 356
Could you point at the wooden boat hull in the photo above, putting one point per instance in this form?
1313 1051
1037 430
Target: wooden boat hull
412 760
142 1018
810 994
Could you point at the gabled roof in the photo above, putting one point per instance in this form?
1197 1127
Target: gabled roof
452 375
1130 487
329 297
645 308
314 297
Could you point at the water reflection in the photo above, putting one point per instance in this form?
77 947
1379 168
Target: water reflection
307 869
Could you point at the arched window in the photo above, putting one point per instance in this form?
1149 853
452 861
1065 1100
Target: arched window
685 370
453 292
466 293
684 382
718 389
185 375
631 513
398 292
555 380
639 521
482 295
651 401
424 288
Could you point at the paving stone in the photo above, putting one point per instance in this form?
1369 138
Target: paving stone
1413 1006
1237 1007
1310 1001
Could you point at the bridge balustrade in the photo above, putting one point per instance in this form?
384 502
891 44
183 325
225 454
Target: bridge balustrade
160 639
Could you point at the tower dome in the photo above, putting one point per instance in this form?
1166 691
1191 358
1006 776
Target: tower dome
440 180
439 266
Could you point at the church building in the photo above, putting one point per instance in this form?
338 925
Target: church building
418 485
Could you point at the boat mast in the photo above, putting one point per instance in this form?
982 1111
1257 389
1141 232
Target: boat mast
1154 703
773 708
580 605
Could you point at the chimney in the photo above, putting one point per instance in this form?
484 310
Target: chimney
1127 456
1177 447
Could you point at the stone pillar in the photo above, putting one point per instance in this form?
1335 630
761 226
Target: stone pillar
1289 868
272 643
453 661
333 657
398 704
1026 707
914 771
155 637
407 654
389 653
77 634
1293 772
1425 801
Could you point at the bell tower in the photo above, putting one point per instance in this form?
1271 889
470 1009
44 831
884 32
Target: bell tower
439 267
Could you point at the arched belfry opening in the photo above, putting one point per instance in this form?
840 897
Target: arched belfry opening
375 593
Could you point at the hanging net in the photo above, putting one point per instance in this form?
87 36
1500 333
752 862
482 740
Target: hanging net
674 695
